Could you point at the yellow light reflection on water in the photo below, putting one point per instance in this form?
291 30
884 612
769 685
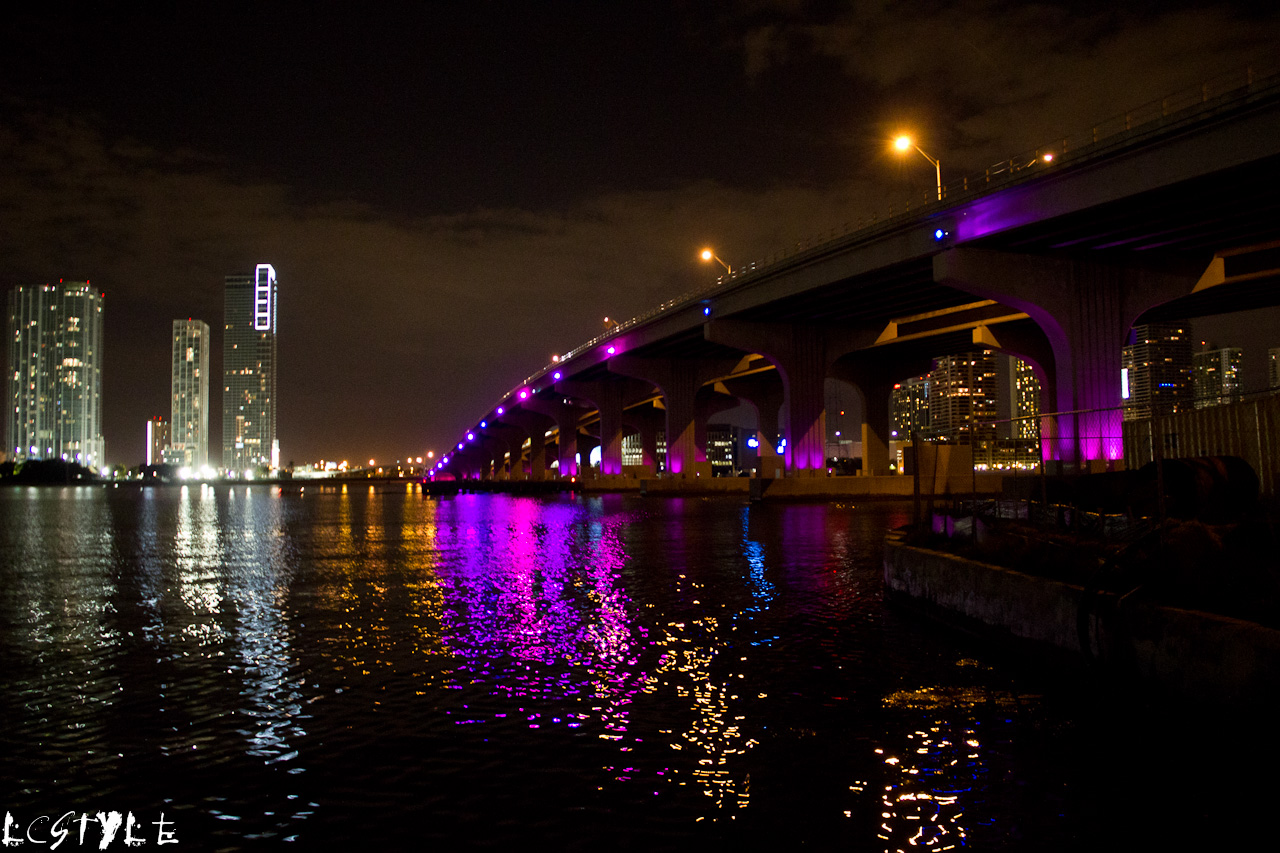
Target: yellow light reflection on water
937 768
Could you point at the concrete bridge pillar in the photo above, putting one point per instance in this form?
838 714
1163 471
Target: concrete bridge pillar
764 392
535 426
873 374
566 416
646 420
679 380
492 455
609 396
1085 308
802 354
509 442
466 463
586 444
710 401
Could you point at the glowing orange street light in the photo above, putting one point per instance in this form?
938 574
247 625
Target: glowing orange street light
904 143
708 255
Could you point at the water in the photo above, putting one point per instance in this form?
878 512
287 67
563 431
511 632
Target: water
322 668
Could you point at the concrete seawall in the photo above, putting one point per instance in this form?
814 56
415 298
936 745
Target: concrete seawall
1199 656
895 487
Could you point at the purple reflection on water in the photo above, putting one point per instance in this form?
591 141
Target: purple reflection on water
539 612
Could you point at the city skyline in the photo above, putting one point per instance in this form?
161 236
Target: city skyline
55 379
449 229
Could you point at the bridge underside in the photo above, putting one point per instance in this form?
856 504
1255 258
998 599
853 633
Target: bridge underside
1056 270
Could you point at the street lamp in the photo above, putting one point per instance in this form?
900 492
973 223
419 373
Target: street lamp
904 143
708 255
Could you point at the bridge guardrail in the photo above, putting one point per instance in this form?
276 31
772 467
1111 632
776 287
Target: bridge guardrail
1222 93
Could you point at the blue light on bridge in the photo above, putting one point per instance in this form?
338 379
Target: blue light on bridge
940 234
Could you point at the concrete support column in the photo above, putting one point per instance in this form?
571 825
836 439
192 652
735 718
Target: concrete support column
764 392
647 420
566 417
609 397
802 355
586 444
872 374
1085 309
535 426
492 455
679 380
509 442
710 401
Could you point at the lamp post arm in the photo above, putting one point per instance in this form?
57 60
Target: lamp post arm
937 167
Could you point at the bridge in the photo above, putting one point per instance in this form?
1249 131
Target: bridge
1052 256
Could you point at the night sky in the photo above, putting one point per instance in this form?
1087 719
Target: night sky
450 193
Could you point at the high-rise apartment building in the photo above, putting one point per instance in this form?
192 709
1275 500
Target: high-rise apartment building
1215 375
1155 371
55 379
909 407
249 371
963 396
1024 401
189 382
157 440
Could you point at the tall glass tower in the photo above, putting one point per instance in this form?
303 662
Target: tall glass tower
55 383
249 372
189 381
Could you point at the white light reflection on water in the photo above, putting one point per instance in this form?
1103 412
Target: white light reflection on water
259 566
484 670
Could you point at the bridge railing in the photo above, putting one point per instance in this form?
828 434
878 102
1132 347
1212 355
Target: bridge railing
1218 94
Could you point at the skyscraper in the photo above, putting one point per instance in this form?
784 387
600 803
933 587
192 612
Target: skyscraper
1215 375
189 381
1155 376
1024 400
909 407
249 371
55 383
157 440
963 396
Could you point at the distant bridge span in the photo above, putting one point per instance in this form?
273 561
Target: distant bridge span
1174 216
